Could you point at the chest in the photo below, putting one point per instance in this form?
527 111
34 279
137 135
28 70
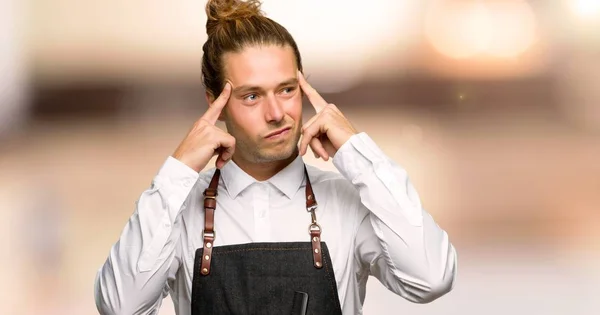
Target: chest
268 216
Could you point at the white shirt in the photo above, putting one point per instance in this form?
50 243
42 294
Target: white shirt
370 214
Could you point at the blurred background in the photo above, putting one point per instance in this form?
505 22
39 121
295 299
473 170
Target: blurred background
493 107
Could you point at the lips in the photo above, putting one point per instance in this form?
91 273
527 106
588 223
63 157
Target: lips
276 132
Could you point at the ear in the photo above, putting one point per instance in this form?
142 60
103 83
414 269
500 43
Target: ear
209 97
209 100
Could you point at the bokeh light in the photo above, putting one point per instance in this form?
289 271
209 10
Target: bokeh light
513 25
459 29
586 9
338 40
466 28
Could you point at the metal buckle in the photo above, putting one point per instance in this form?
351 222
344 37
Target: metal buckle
311 208
209 234
314 227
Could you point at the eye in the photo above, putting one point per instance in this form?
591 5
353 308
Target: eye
250 97
288 90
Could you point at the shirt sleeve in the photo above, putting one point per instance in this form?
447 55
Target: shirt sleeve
134 278
396 240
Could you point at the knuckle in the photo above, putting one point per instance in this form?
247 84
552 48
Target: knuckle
207 130
198 131
202 122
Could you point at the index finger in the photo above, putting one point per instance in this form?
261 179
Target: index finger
313 96
214 109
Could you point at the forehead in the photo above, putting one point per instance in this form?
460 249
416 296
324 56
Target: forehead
260 65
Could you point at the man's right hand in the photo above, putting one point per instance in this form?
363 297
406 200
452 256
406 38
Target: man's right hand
205 140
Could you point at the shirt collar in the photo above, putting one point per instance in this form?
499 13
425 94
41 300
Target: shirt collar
288 180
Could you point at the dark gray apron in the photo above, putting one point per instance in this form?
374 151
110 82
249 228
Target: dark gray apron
263 278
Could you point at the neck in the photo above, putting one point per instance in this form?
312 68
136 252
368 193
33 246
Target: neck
265 170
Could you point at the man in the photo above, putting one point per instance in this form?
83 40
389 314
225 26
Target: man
262 233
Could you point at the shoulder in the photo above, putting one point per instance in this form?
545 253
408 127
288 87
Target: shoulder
318 175
205 178
336 193
206 175
329 180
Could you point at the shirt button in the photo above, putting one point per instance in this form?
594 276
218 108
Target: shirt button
167 225
188 183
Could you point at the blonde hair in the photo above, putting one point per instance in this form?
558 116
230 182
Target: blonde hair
233 25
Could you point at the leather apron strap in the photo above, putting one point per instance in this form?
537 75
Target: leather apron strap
209 234
210 205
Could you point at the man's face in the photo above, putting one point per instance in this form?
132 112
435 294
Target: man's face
266 98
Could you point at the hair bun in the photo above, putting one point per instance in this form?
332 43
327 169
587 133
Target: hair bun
218 11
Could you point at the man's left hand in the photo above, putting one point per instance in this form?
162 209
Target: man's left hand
328 130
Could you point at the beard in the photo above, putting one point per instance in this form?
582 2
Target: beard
259 150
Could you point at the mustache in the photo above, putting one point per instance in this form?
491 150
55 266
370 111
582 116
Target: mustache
279 125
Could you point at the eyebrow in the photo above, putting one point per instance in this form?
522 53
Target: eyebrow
243 88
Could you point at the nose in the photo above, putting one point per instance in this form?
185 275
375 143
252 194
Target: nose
274 111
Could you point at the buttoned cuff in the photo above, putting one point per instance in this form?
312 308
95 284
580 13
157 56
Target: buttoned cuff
177 173
174 182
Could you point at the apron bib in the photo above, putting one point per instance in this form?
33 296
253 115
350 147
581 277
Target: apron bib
263 278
